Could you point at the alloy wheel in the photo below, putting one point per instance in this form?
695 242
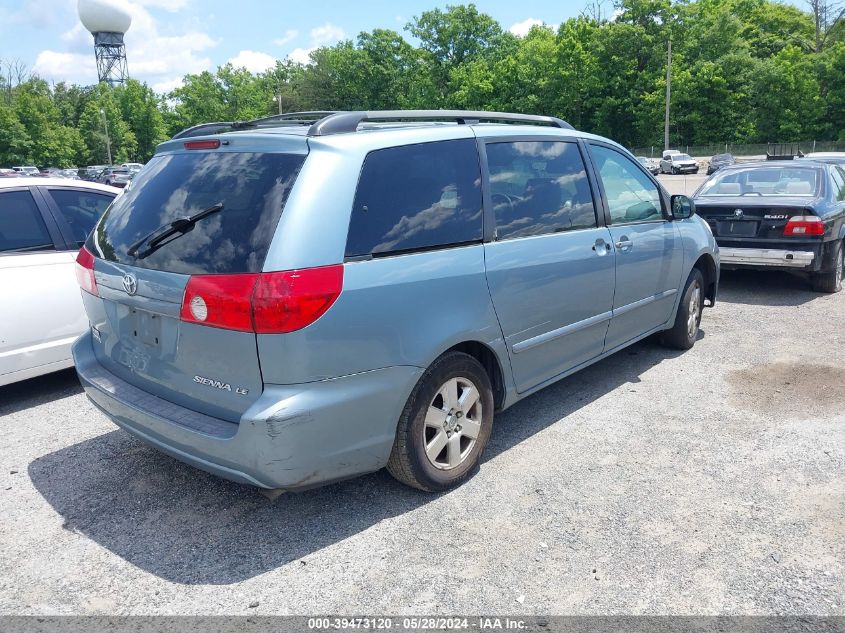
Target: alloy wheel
452 423
694 311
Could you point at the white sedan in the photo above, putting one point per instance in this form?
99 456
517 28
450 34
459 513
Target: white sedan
43 223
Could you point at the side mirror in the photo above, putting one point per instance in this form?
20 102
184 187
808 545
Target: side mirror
682 207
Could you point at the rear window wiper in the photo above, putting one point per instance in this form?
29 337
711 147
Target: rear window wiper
156 239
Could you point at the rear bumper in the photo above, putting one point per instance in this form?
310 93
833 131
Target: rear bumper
766 257
293 437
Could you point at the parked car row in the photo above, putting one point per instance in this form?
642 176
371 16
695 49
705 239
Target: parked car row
112 175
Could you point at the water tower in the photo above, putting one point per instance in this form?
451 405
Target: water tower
107 20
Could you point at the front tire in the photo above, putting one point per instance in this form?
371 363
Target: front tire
444 426
684 332
831 282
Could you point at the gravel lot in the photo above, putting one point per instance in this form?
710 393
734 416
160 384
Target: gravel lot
655 482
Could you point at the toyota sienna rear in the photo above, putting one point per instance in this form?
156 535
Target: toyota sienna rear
286 305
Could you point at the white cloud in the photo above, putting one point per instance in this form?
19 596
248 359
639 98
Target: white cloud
301 55
161 60
31 14
289 35
521 29
253 61
167 86
58 66
324 35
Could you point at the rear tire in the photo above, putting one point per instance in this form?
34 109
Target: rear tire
831 282
684 332
444 426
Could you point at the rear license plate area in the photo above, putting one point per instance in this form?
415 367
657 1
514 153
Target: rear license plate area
144 327
737 229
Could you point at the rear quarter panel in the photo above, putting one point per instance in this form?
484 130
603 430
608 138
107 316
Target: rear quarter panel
401 310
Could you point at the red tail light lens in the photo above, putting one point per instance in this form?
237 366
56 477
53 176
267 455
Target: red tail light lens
291 300
223 301
266 303
804 225
85 272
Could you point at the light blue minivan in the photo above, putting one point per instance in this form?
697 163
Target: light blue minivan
309 297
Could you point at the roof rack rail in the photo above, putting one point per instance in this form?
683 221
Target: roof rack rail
291 117
342 122
327 122
204 128
287 118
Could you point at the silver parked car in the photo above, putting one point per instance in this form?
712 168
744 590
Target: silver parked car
677 163
287 305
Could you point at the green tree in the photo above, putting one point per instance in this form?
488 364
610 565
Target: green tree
451 38
101 124
53 144
787 99
15 142
139 109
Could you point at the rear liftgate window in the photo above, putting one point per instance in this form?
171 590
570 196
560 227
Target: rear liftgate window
417 197
251 187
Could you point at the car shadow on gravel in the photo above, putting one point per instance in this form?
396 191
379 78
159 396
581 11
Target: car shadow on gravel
37 391
765 288
189 527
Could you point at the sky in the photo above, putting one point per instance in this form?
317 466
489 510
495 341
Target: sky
171 38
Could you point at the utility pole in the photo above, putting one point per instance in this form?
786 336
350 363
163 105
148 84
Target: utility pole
668 97
106 128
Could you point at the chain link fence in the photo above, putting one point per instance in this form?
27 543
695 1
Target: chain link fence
744 150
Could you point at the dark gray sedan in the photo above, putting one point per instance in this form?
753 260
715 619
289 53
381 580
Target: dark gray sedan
784 214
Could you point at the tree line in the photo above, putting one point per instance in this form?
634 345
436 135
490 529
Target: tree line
743 71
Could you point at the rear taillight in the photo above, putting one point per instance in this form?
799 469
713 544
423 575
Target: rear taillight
223 301
266 303
290 300
85 271
804 225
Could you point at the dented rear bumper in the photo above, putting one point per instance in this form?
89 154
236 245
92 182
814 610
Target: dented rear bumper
293 437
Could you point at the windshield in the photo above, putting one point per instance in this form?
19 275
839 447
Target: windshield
681 157
763 181
252 187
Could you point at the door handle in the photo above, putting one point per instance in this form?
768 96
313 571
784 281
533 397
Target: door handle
624 244
601 247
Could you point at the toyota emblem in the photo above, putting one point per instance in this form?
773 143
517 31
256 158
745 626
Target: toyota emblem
130 284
